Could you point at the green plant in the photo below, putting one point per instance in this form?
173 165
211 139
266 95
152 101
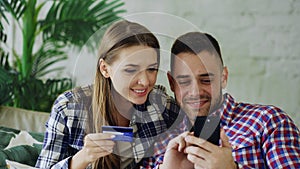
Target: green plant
67 22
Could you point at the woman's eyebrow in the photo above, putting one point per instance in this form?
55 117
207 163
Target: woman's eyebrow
132 65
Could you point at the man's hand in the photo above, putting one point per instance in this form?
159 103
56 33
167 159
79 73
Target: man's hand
204 154
175 158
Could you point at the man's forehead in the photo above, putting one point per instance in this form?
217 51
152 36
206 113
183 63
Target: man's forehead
188 62
203 62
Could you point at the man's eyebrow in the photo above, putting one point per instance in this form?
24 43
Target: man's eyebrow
206 74
154 64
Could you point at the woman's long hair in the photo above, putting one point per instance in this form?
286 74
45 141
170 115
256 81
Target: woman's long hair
120 35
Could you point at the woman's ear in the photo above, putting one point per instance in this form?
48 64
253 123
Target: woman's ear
224 77
103 68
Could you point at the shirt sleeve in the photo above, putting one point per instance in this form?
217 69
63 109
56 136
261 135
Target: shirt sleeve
282 143
54 152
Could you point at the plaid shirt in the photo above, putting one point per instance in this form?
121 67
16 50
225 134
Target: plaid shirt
66 126
260 136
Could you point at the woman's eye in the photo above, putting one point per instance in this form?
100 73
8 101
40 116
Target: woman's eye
130 70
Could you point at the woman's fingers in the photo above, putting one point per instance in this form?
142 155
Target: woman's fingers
98 145
99 136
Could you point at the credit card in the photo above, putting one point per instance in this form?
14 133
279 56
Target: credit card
121 133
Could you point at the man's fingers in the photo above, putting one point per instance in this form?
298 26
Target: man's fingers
178 142
197 151
224 139
198 162
181 144
192 140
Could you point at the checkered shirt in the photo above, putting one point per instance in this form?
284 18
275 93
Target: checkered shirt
66 126
261 136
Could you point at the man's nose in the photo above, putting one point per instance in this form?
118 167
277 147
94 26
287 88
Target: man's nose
194 89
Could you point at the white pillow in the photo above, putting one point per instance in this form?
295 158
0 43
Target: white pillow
23 138
16 165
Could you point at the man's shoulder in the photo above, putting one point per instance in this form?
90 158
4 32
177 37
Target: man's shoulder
252 109
258 109
259 115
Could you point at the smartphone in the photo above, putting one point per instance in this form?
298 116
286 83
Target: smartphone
208 128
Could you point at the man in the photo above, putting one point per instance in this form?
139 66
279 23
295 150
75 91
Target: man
252 136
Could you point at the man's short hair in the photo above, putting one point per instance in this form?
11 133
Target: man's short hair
195 42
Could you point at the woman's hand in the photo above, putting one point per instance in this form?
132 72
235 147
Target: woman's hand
96 145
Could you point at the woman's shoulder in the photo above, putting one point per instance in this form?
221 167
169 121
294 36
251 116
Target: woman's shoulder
72 99
160 89
159 93
76 94
160 97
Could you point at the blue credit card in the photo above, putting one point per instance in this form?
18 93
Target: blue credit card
121 133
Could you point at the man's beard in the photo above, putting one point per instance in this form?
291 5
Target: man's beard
205 111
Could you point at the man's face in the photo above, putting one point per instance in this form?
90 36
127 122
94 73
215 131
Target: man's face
197 82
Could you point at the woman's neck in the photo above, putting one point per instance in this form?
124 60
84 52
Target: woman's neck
123 107
122 121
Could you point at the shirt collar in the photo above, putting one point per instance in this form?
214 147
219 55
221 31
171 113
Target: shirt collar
226 109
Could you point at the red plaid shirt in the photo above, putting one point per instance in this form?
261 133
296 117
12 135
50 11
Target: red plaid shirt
261 136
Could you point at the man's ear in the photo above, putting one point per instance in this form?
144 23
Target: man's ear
103 68
171 81
224 77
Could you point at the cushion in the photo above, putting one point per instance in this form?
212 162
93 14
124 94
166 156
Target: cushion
19 146
22 119
16 165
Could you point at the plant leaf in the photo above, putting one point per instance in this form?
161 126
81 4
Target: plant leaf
47 55
74 22
15 7
7 77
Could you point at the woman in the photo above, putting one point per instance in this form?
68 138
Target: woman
124 94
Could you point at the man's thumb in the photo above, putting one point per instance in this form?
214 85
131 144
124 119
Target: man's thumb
224 139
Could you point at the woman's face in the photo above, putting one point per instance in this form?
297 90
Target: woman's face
133 73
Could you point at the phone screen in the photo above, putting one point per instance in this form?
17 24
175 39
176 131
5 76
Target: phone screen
208 128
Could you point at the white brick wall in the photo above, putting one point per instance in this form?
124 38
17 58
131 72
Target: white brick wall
260 41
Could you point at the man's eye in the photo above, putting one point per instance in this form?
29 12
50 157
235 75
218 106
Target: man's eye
206 81
152 69
184 83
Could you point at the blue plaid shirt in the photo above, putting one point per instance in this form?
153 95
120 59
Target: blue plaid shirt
66 126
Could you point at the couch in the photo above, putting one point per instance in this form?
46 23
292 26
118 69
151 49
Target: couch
21 136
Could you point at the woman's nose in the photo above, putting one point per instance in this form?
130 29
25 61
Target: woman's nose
143 78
